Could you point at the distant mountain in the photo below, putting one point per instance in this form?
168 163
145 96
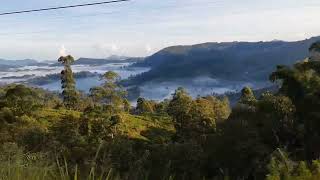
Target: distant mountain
26 62
5 64
117 57
243 61
111 59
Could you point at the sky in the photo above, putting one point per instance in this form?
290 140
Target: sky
143 27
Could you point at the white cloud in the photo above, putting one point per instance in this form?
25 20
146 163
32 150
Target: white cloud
114 48
148 48
63 51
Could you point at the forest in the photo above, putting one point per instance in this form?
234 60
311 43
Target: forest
101 136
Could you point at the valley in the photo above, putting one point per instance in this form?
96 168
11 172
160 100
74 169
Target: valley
203 69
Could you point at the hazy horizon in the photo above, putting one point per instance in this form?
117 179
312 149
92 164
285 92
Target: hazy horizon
140 28
128 56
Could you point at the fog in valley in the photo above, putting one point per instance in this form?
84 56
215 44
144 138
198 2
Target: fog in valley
198 86
39 76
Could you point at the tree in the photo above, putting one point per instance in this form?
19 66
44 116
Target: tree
180 104
68 84
247 96
302 171
179 108
22 100
202 119
162 107
301 84
110 93
126 105
66 131
144 106
221 108
192 118
280 166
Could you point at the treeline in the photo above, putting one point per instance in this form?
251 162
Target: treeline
101 136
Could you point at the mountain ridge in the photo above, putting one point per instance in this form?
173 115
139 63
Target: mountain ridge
101 61
224 60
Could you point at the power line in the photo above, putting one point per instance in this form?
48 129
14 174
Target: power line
61 7
57 18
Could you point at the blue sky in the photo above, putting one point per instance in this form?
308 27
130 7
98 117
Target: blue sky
142 27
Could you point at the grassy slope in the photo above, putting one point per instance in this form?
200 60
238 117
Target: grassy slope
51 115
150 128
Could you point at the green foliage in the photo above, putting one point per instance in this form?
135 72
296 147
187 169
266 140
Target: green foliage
301 84
247 96
162 107
66 132
15 164
221 108
302 171
196 118
180 103
22 100
281 167
202 116
126 105
70 95
111 76
33 138
272 136
144 106
110 93
7 116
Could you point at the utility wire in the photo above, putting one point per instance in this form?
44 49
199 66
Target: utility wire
62 18
62 7
57 18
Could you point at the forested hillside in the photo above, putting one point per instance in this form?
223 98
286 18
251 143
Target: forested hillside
252 61
101 136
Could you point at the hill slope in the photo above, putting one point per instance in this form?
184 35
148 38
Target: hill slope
230 61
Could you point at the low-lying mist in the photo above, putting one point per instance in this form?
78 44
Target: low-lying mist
88 76
198 86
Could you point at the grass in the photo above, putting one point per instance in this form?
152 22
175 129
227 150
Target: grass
146 128
132 126
48 115
14 165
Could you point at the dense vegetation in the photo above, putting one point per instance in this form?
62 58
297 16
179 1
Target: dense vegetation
101 136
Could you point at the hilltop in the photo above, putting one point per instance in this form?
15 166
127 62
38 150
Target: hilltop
243 61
